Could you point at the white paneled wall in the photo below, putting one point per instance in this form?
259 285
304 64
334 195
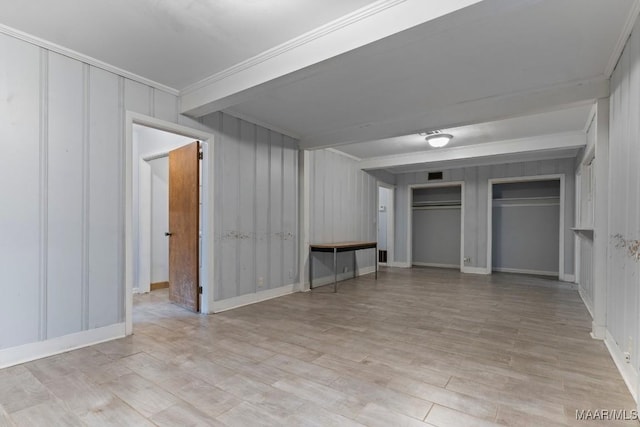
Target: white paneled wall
343 202
62 138
475 203
62 216
623 284
256 208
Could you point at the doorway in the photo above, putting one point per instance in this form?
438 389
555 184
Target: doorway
149 142
526 225
385 223
436 225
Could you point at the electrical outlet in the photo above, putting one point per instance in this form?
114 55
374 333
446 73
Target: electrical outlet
467 260
627 357
345 269
260 282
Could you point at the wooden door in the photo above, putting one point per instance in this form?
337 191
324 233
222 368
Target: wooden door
184 211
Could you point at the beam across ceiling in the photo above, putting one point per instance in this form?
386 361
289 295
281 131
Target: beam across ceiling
364 26
545 143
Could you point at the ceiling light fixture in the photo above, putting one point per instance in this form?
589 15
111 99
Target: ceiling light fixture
437 139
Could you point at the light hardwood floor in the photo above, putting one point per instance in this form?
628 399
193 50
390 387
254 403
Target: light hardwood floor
416 347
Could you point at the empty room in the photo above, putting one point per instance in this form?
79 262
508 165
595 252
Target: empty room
356 212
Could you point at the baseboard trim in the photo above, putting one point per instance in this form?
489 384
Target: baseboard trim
626 369
159 285
585 301
242 300
326 280
525 271
37 350
400 264
571 278
475 270
436 265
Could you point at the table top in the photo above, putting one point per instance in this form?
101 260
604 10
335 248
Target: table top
343 245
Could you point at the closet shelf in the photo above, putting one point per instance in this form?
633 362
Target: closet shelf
437 203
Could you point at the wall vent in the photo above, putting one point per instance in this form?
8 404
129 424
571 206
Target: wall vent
431 176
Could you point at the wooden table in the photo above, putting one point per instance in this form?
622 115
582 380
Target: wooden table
339 247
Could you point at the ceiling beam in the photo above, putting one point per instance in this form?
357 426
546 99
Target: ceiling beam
364 26
556 142
465 113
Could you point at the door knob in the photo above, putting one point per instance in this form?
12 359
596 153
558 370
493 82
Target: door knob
168 234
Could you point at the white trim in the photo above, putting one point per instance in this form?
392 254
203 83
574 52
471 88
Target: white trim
561 237
410 189
342 153
207 276
571 278
585 300
45 44
37 350
327 280
629 374
622 40
526 271
252 298
399 264
436 265
474 270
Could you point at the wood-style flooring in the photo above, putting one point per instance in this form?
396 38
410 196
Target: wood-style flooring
416 347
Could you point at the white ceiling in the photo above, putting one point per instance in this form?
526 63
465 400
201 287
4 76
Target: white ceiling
572 119
175 43
359 74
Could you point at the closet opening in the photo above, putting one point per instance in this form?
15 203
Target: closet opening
526 227
385 222
436 226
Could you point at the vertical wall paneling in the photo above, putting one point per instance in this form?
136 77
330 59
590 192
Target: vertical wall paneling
105 110
246 209
263 253
165 106
622 292
228 149
21 145
290 210
275 211
44 162
65 196
343 207
86 118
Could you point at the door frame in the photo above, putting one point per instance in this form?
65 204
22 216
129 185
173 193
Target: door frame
206 215
410 216
390 222
561 237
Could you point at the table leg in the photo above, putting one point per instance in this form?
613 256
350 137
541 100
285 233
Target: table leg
376 261
335 270
310 269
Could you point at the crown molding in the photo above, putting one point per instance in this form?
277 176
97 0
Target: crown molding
296 42
342 153
622 40
45 44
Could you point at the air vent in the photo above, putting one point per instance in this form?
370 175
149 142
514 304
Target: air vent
432 176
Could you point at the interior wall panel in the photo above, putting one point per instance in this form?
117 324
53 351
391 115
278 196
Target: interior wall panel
21 153
105 135
247 212
65 195
255 221
343 208
623 284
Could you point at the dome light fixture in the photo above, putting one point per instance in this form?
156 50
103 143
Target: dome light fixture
437 139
